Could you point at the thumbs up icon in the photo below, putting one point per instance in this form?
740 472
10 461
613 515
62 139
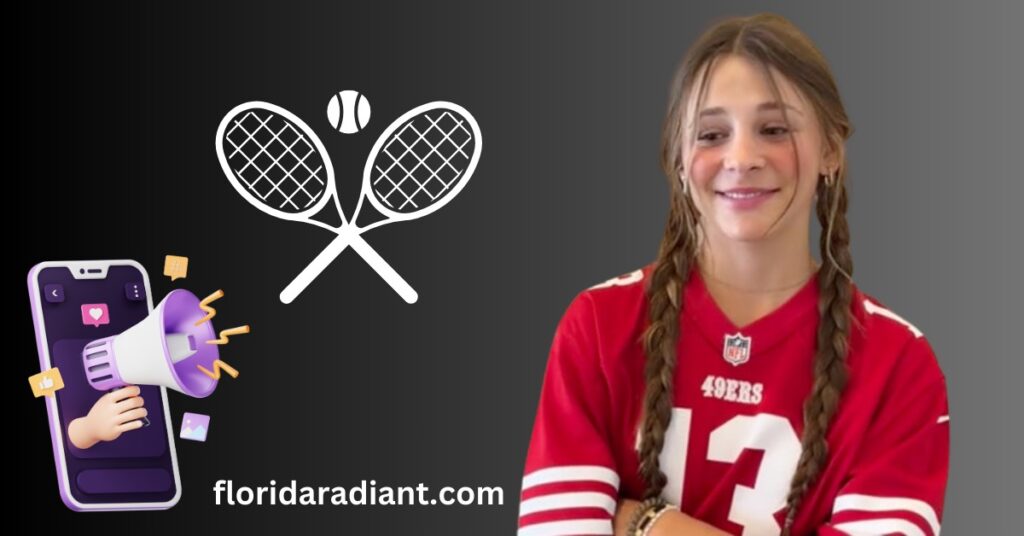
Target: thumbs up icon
46 382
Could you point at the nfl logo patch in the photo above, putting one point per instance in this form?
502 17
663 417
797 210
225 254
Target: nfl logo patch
736 349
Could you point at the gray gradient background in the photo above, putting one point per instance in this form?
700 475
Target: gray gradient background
349 382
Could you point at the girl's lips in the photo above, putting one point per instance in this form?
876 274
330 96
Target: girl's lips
745 198
746 190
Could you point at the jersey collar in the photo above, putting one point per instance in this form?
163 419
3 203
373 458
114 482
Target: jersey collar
765 332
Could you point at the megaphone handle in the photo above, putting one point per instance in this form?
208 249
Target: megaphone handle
145 420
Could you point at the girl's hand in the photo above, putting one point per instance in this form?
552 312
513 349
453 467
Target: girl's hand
112 415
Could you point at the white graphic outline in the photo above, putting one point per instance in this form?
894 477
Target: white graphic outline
348 232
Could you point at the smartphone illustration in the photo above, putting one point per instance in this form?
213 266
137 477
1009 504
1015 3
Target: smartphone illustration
74 303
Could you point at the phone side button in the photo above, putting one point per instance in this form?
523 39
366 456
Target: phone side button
150 480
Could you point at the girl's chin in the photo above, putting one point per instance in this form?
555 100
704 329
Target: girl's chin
748 231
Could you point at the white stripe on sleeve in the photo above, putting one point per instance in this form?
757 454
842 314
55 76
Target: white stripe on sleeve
563 528
877 527
871 503
576 499
571 473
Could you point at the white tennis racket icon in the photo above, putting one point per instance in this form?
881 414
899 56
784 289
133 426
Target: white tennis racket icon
418 164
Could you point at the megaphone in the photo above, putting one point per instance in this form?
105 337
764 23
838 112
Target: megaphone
164 349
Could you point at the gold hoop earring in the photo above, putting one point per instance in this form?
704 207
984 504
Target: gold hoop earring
830 180
686 184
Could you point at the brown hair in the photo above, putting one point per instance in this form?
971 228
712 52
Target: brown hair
772 42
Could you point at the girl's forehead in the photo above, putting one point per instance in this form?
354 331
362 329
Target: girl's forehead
737 84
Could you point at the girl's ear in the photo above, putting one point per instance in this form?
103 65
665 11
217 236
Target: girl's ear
832 157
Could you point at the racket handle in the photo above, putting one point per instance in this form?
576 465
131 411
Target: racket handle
384 269
314 269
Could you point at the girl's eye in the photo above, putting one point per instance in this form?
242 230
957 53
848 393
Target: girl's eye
709 136
775 131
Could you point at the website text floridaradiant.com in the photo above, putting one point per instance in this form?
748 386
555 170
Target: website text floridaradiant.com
365 494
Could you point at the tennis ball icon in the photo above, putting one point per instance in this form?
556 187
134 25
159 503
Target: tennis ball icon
348 111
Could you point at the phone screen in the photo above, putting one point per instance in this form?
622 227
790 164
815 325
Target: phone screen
138 466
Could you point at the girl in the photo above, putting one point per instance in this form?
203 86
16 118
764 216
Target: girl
800 405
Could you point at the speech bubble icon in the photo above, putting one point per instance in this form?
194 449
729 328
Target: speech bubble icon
95 314
46 382
175 267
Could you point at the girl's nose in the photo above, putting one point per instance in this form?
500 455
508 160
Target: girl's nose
742 154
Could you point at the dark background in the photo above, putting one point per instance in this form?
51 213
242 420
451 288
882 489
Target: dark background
121 103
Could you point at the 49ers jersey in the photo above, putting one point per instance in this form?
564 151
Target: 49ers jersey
734 439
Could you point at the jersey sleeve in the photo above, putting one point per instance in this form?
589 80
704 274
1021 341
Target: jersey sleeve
898 483
570 484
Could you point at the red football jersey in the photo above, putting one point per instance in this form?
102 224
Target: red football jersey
734 439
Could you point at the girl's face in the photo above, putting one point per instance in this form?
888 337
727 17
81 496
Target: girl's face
742 166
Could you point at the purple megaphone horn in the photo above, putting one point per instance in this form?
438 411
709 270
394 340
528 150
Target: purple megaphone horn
165 349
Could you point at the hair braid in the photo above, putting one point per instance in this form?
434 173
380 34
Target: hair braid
664 293
830 372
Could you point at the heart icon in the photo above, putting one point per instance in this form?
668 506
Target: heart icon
95 314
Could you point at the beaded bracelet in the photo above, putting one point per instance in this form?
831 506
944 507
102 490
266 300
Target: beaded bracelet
654 519
643 514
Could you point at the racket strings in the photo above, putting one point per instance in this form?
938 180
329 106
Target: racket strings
429 151
265 157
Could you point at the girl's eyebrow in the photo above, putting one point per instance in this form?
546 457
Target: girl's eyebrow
718 110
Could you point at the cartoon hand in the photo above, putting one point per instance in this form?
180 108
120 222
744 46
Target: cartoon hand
113 414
